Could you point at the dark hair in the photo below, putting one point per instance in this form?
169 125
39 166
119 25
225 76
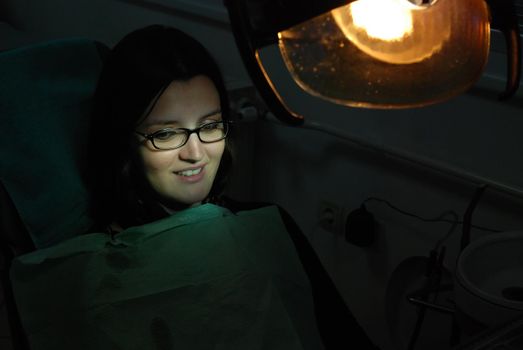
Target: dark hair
138 69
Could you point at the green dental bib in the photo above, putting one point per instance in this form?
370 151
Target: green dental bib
203 278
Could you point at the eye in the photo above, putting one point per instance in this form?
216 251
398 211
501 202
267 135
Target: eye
212 126
166 134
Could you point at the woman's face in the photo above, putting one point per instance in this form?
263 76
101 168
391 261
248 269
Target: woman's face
183 176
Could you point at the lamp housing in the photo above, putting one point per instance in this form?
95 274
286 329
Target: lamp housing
374 53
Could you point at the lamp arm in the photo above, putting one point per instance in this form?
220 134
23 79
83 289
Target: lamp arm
503 18
249 54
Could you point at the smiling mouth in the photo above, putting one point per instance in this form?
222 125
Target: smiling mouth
188 173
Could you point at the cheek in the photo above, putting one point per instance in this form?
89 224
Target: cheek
216 151
156 161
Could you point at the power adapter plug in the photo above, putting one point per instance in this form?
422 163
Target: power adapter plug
360 227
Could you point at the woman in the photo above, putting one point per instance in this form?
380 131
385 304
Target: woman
156 81
184 267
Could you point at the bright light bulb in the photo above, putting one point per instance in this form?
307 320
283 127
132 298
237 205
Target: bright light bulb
395 31
382 19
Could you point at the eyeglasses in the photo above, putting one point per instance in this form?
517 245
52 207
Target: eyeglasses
169 138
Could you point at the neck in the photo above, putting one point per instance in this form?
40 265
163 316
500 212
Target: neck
173 209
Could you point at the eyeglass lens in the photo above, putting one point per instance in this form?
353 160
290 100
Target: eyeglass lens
174 138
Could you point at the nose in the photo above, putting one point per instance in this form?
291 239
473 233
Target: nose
193 150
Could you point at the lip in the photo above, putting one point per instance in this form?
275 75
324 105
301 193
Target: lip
193 178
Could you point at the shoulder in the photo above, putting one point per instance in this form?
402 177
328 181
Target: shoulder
237 206
292 227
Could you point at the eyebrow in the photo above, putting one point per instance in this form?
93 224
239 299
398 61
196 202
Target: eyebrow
206 115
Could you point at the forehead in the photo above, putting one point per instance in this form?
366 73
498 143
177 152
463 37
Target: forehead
185 102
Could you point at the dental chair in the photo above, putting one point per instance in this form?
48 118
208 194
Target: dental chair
45 100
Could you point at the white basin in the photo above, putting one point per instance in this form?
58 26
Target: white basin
489 276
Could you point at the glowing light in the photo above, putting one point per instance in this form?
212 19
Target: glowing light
382 19
395 31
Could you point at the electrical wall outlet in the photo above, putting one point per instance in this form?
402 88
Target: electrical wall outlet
330 217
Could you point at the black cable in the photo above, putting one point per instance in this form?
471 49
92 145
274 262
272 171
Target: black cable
451 230
434 275
467 218
417 327
467 225
439 218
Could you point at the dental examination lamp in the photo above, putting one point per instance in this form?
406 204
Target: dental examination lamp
374 53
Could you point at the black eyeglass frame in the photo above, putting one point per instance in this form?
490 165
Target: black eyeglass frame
188 133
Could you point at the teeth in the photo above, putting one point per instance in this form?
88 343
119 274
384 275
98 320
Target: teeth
190 172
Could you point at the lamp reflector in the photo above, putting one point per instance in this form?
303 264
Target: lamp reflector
389 53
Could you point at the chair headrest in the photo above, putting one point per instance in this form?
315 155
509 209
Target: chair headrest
46 95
